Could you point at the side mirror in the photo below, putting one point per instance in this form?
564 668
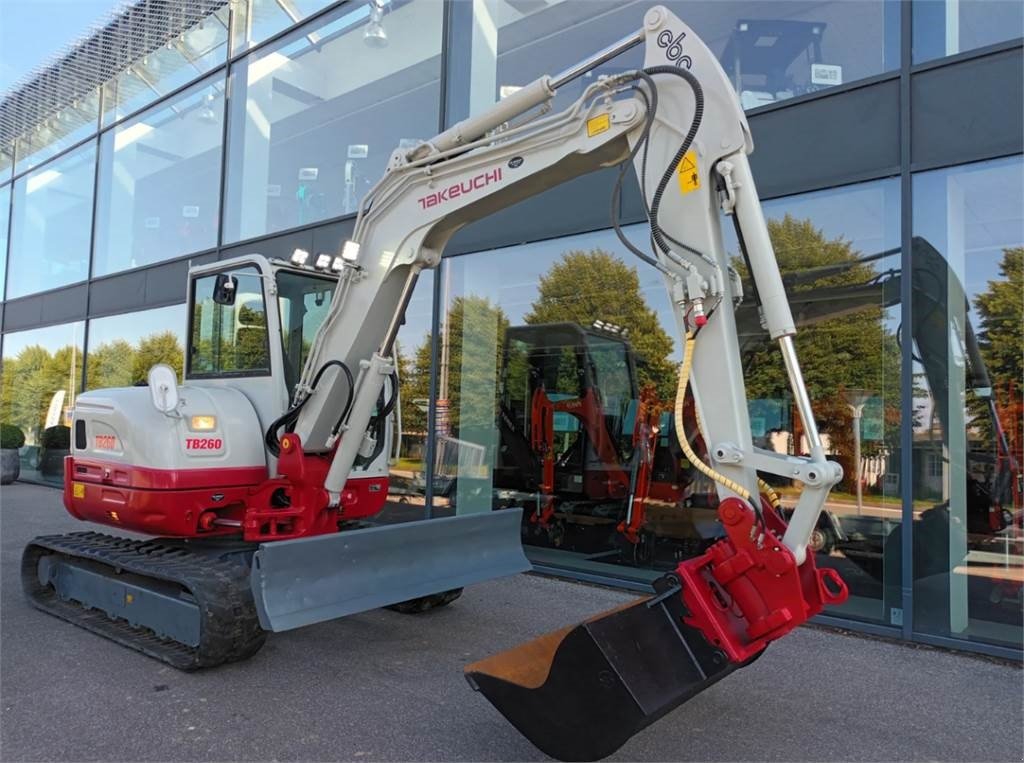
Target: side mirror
225 288
163 387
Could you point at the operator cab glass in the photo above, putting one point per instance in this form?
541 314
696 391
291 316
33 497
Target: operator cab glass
303 301
228 337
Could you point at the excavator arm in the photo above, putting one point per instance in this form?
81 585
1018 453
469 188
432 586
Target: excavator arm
580 693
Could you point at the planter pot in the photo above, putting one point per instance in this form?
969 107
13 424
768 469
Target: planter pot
10 465
51 462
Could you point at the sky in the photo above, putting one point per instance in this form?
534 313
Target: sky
33 30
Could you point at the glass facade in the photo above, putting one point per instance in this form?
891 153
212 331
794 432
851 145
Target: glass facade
51 223
579 326
269 121
771 50
63 129
193 53
158 194
947 27
42 374
968 313
5 217
309 133
122 348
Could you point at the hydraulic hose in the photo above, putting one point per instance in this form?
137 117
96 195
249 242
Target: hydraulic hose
707 471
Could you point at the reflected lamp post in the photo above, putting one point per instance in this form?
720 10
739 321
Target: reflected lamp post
855 401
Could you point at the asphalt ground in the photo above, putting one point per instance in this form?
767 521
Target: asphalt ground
386 686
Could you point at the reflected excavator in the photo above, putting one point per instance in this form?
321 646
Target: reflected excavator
257 493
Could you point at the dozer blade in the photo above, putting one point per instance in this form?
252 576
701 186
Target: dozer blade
580 693
310 580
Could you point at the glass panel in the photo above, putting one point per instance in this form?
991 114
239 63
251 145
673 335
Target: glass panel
51 223
838 250
945 27
229 340
122 348
5 216
183 59
256 20
968 413
303 302
310 132
66 127
42 375
6 161
408 465
159 184
578 330
770 50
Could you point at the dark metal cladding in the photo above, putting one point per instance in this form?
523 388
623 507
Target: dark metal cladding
120 588
581 693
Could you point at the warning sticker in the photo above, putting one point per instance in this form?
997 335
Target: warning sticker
689 175
78 489
598 125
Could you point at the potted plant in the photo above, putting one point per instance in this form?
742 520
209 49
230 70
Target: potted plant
56 443
11 438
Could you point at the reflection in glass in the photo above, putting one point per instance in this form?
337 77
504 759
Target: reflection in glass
5 216
67 126
557 375
229 339
159 184
311 131
946 27
256 20
187 56
968 411
122 348
771 50
407 490
6 161
51 224
42 375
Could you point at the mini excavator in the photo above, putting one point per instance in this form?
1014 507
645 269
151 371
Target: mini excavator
255 478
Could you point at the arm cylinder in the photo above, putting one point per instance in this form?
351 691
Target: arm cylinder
765 271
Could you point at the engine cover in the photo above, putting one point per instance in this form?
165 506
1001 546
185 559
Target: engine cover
133 467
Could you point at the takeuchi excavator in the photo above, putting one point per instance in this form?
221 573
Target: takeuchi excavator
257 476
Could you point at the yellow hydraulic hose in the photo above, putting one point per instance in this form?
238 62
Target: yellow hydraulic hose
707 471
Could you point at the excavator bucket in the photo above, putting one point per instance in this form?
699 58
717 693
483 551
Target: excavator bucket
310 580
580 693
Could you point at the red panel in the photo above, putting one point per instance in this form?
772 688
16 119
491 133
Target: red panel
144 478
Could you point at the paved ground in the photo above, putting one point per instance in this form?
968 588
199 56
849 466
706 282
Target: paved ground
384 686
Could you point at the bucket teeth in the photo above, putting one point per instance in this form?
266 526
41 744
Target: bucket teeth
581 692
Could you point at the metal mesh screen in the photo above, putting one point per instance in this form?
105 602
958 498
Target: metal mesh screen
128 34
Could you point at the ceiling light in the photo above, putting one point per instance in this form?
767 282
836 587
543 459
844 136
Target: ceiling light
375 35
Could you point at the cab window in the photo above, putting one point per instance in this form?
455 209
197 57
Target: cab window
229 339
303 301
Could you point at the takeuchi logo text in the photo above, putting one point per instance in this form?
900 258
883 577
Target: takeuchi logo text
460 189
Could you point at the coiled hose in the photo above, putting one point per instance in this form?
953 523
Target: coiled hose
707 471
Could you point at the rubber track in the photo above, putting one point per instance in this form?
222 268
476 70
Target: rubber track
229 627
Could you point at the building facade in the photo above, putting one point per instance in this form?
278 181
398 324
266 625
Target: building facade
889 159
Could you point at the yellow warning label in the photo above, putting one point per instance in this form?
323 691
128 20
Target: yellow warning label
78 490
598 125
689 175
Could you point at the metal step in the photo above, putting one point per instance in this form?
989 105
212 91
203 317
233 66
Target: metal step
310 580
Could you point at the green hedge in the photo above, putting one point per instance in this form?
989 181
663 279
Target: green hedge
11 436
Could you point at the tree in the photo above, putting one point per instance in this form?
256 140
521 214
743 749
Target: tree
162 347
1001 341
110 365
855 350
584 287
